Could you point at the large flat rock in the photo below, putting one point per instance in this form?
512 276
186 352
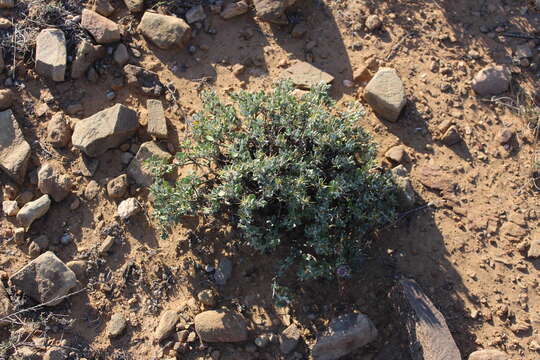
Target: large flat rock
14 150
104 130
51 54
305 76
385 94
164 31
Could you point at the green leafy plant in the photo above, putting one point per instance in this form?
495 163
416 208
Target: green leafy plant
291 173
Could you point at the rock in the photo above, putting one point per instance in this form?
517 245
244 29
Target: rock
234 9
406 195
397 154
195 14
45 279
121 55
164 31
272 11
488 355
167 324
299 30
220 326
116 325
58 131
305 76
24 197
10 207
18 235
51 54
504 136
157 125
86 55
55 354
53 182
138 169
5 305
534 249
106 245
223 271
79 267
103 30
134 6
103 7
345 334
238 69
385 94
91 190
435 178
14 150
147 81
38 245
128 208
105 129
87 166
33 211
6 98
117 187
207 297
289 339
451 136
491 80
373 22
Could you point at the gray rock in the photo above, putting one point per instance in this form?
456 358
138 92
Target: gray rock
289 339
223 271
117 187
127 208
167 324
220 326
58 131
14 150
385 94
345 334
305 76
121 55
272 11
116 325
45 279
53 182
38 245
138 169
33 210
195 14
103 7
10 207
164 31
86 55
103 30
407 195
104 130
207 297
5 305
488 355
92 190
491 80
157 125
51 54
79 267
234 9
144 80
134 6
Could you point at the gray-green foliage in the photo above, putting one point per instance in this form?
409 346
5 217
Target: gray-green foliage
291 173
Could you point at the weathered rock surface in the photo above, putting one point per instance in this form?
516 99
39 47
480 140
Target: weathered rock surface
103 30
223 271
79 267
6 98
407 196
105 129
488 355
51 54
10 207
138 169
345 334
207 297
55 354
103 7
33 210
195 14
86 55
52 181
92 190
289 339
121 55
385 93
58 131
14 150
116 325
491 80
397 154
134 6
305 76
451 136
5 305
128 208
166 325
144 80
272 10
234 9
157 125
435 178
164 31
117 187
45 279
220 326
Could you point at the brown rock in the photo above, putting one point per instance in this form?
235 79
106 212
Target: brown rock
397 154
504 136
117 187
451 136
86 55
373 22
14 150
164 31
167 324
103 30
91 190
6 98
491 80
220 326
134 6
103 7
272 11
235 9
58 131
435 178
157 125
305 76
138 169
53 182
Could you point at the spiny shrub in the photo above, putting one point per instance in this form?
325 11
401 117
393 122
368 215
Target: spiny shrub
291 173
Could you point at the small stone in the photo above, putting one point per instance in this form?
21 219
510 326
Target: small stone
305 76
128 208
33 211
103 30
289 339
106 245
167 324
272 11
451 136
116 325
397 154
85 56
373 22
504 136
126 157
14 150
53 182
195 14
157 125
92 190
117 187
262 340
221 326
488 355
121 55
492 80
18 235
10 208
164 31
143 80
223 271
385 93
207 297
51 54
103 7
232 10
55 354
79 267
134 6
87 166
6 98
138 169
191 337
58 131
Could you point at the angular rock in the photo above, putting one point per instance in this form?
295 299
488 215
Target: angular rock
14 150
488 355
138 169
58 131
103 30
345 334
435 178
134 6
164 31
121 55
6 98
147 81
116 325
79 267
406 195
53 182
91 190
534 248
87 166
451 136
385 94
33 210
504 136
10 207
235 9
44 279
220 326
167 324
289 339
103 7
207 297
106 245
397 154
272 11
157 125
195 14
117 187
5 305
305 76
429 336
491 80
104 130
128 208
51 54
223 271
86 55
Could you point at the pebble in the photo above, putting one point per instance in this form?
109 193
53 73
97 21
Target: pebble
10 207
116 325
106 245
373 22
504 136
128 208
